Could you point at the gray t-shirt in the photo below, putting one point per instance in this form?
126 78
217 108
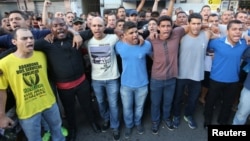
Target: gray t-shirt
192 57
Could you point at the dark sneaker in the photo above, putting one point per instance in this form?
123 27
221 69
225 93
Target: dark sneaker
116 135
169 124
155 128
140 129
128 132
176 122
191 122
105 126
72 135
96 128
205 125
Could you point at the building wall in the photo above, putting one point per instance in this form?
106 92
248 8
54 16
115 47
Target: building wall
195 4
93 6
55 6
6 7
84 6
63 5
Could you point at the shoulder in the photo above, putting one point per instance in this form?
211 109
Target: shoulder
91 40
39 53
179 29
119 42
42 42
147 44
217 41
243 42
112 37
5 36
33 31
6 60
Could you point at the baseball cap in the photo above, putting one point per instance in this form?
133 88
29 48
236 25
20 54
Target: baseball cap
38 18
133 12
77 19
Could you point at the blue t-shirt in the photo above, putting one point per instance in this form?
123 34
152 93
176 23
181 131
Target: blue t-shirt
227 59
134 70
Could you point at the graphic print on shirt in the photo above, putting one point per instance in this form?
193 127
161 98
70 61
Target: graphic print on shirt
101 55
30 75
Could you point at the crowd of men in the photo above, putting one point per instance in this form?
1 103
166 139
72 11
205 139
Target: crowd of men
121 59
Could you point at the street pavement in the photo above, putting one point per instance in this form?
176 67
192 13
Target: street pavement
183 133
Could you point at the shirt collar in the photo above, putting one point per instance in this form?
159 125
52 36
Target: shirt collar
227 42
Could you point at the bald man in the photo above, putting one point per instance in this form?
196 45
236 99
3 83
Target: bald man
105 75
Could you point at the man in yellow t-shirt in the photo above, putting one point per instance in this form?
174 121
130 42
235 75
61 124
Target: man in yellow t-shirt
25 71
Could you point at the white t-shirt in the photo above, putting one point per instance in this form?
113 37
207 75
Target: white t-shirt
103 57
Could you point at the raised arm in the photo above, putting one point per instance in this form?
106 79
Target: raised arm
140 6
170 8
155 6
45 12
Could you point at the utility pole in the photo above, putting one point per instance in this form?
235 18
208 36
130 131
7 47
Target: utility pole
25 4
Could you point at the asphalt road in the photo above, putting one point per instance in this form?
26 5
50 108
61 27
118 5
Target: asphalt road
183 133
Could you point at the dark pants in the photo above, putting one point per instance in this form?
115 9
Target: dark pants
68 99
194 88
225 92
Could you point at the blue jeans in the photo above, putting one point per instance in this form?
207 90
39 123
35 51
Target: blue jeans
243 111
161 91
32 125
133 100
107 92
194 88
